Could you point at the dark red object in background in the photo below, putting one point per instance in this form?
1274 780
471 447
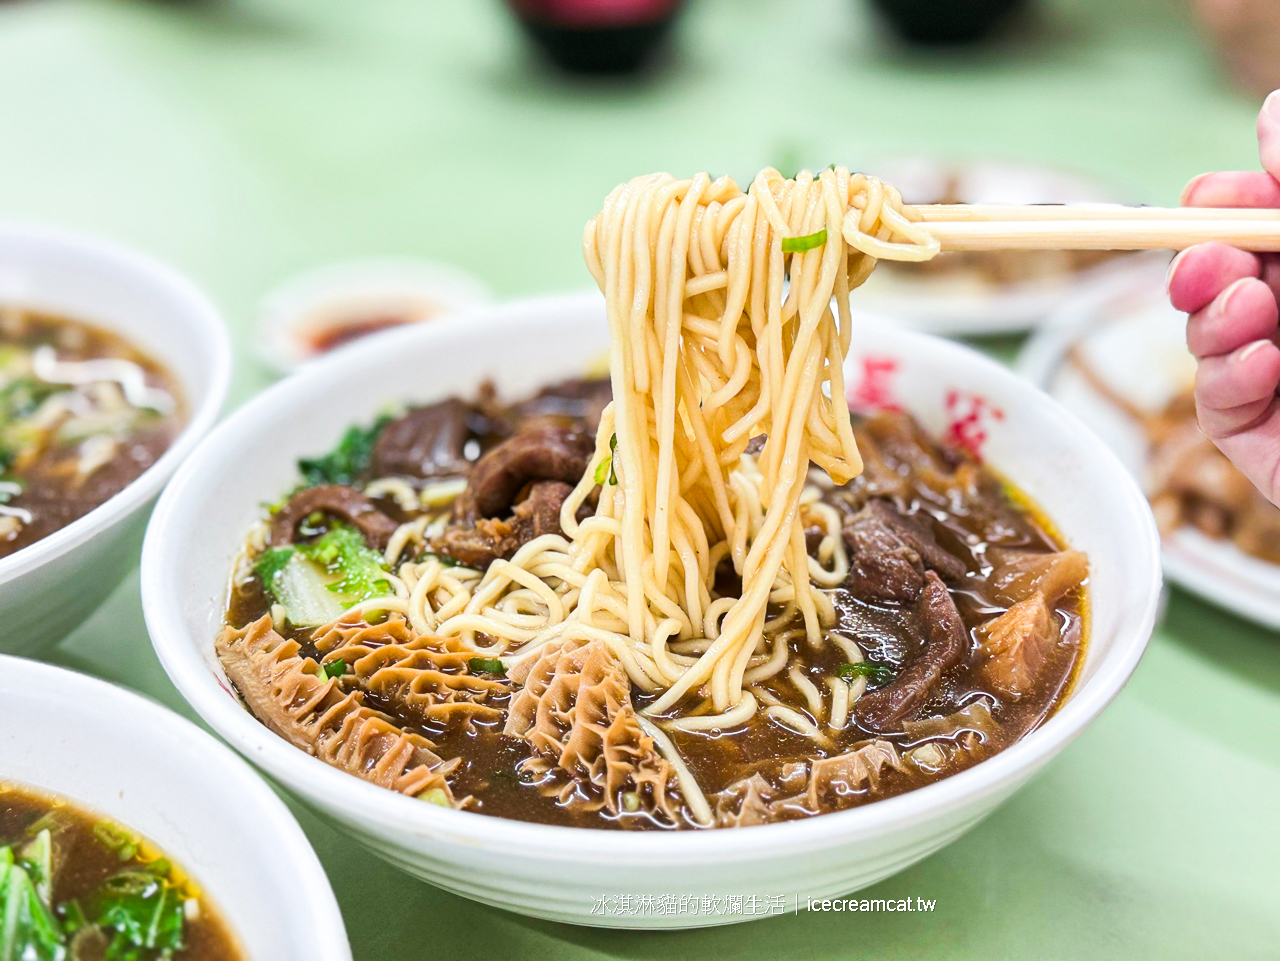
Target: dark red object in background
598 36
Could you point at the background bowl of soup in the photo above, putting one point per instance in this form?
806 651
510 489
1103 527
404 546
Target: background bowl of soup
567 873
50 585
120 757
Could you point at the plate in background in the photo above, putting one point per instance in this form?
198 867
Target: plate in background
973 301
1133 339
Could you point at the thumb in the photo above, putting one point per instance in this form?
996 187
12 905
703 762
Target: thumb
1269 134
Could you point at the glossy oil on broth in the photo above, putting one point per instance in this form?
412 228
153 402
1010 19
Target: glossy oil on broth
922 514
103 877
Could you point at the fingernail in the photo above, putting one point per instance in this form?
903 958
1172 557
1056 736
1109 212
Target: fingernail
1173 266
1271 106
1253 348
1224 305
1190 189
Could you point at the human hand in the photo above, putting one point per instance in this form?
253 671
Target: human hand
1230 296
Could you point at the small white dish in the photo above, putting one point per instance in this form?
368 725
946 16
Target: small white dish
561 872
960 302
49 587
121 756
1133 338
327 308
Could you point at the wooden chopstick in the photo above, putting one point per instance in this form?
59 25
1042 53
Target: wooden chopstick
1097 227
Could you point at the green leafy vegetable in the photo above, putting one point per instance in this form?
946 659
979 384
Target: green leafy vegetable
316 581
142 913
22 397
270 563
73 918
349 460
36 858
605 469
28 929
487 665
876 673
361 573
798 245
335 668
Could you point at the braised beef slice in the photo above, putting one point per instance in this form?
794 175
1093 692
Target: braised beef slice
889 553
515 493
334 500
944 644
425 442
485 539
580 400
902 442
540 451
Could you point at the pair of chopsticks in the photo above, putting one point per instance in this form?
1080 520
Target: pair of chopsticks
1096 227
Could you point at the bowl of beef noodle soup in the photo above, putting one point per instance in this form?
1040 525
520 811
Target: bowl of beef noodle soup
127 832
414 584
111 368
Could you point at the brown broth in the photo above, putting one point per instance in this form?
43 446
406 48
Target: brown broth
53 492
929 481
83 861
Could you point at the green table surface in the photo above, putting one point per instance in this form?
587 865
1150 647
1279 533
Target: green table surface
242 141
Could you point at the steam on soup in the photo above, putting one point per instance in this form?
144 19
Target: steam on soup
82 414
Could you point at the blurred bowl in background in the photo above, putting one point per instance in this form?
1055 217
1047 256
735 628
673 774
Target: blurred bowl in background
943 22
598 36
329 307
989 292
50 586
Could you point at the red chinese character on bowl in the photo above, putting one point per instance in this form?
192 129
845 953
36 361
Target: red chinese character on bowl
970 415
874 388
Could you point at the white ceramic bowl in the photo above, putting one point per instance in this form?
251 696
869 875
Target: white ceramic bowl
49 587
559 872
137 763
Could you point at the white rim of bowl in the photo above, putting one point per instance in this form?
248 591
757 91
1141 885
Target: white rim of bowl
147 484
558 843
242 783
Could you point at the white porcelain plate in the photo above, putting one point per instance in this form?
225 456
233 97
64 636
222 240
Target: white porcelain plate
1132 337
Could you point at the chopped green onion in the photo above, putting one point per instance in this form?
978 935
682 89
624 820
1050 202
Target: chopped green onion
116 838
879 673
798 245
487 665
335 668
161 867
605 469
435 796
73 918
630 801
